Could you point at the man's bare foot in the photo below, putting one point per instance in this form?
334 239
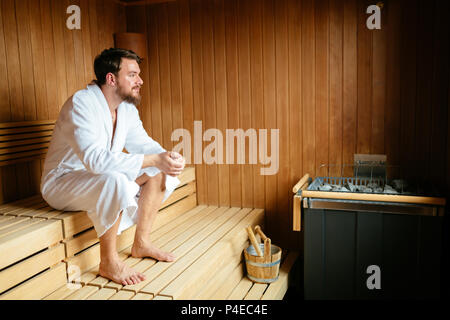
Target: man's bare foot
117 271
150 251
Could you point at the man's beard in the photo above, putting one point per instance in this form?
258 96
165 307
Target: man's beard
128 97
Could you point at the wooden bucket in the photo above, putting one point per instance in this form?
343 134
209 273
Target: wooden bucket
262 269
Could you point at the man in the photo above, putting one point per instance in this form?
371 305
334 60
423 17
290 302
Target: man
85 168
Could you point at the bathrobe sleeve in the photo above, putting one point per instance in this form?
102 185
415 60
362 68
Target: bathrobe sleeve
82 129
137 140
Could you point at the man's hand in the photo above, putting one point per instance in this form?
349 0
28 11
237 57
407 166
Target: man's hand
171 163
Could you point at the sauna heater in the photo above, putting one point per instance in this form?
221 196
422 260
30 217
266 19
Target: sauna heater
370 238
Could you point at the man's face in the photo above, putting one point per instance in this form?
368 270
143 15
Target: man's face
129 82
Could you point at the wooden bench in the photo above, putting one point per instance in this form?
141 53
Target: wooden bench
67 237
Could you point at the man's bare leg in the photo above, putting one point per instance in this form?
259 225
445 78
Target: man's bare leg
111 267
150 199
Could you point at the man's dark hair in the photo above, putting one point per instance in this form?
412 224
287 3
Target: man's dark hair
110 61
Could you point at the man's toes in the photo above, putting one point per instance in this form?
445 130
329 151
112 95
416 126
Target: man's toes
141 276
135 279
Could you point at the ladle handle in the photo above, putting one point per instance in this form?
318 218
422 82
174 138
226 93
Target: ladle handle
252 238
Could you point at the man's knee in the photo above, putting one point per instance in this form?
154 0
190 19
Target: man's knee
159 180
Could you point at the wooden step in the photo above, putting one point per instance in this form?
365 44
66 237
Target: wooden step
28 239
27 268
38 286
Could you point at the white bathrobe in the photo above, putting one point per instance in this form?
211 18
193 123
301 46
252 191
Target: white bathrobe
83 171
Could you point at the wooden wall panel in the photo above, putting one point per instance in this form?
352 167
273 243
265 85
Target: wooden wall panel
256 84
221 94
45 64
209 95
269 99
232 94
313 70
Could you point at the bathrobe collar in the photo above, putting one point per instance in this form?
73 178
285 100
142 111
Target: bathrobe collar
95 90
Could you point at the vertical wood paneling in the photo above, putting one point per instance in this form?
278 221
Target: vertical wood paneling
198 91
209 98
69 49
221 95
364 69
154 82
378 81
78 50
58 38
424 105
12 53
336 87
440 102
232 93
350 85
164 72
4 85
308 86
282 105
322 87
245 103
49 60
408 89
186 70
175 67
256 68
26 62
137 16
295 100
94 32
86 42
38 57
270 116
393 82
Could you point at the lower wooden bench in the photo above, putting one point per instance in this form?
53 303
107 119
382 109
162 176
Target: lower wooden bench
208 242
35 238
30 248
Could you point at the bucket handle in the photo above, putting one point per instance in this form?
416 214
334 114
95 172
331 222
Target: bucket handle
267 250
259 231
252 238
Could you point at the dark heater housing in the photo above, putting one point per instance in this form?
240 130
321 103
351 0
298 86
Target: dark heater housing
355 225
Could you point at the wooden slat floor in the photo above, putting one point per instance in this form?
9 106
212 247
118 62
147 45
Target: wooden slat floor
208 242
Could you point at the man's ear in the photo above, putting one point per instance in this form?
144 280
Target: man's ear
111 80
